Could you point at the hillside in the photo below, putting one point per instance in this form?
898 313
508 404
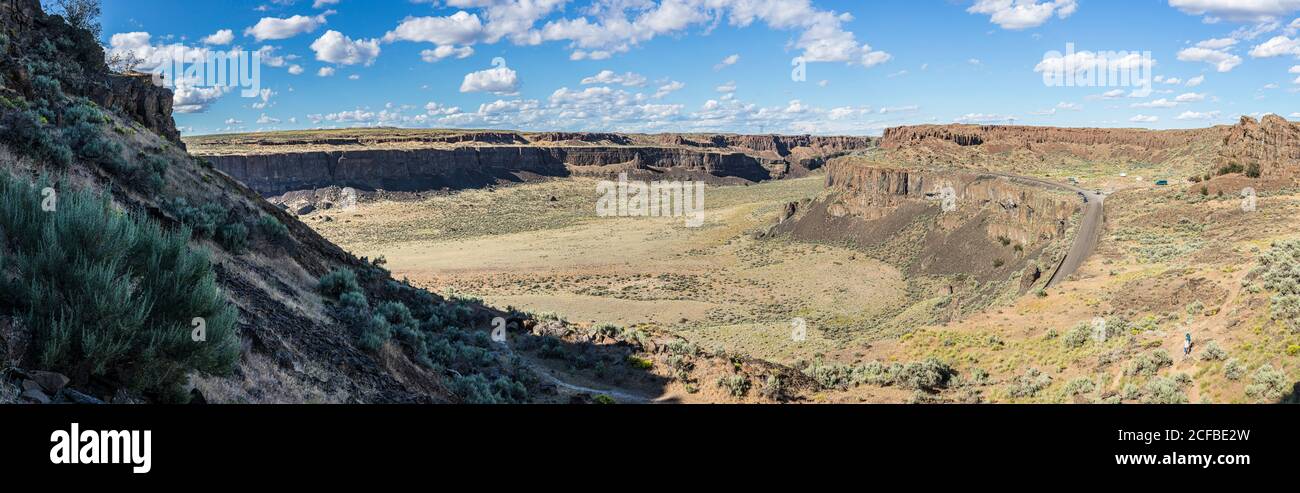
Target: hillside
105 286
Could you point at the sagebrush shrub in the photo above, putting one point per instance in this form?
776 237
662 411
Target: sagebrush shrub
928 375
272 230
1213 352
1029 384
775 388
233 237
1267 385
337 282
1131 392
736 385
1077 337
112 295
1079 386
1233 369
202 220
1150 363
29 134
1161 390
477 389
1280 270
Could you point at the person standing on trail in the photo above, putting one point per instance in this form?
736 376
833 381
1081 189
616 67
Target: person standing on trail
1187 345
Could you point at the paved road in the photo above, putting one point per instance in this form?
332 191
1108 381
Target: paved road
1089 227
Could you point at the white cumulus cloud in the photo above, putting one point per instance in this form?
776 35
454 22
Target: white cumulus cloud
277 28
500 80
1023 14
334 47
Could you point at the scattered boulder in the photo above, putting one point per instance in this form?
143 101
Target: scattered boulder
51 383
1031 276
36 396
75 397
789 212
306 209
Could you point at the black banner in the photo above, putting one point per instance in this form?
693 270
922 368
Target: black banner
189 441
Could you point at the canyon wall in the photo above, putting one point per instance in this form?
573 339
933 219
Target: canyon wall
1011 136
461 167
413 161
1025 213
1272 144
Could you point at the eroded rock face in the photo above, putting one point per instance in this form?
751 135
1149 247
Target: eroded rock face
1272 143
999 137
1023 213
274 165
136 96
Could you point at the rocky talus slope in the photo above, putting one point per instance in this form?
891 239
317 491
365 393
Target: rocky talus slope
966 239
415 160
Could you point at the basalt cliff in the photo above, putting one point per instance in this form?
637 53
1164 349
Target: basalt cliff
1270 144
416 160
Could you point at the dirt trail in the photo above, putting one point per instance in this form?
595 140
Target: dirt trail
620 397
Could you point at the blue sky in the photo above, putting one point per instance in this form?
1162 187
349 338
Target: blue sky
719 65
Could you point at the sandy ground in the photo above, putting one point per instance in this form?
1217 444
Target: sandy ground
714 283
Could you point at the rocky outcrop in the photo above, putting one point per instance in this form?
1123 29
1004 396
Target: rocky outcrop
82 69
997 137
136 96
1026 214
1272 144
1014 148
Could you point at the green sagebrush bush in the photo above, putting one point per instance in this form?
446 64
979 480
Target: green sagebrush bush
1213 352
1150 363
272 230
736 385
1233 369
29 134
1280 269
233 237
431 333
211 221
338 282
203 221
1267 385
1163 390
1029 384
111 294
